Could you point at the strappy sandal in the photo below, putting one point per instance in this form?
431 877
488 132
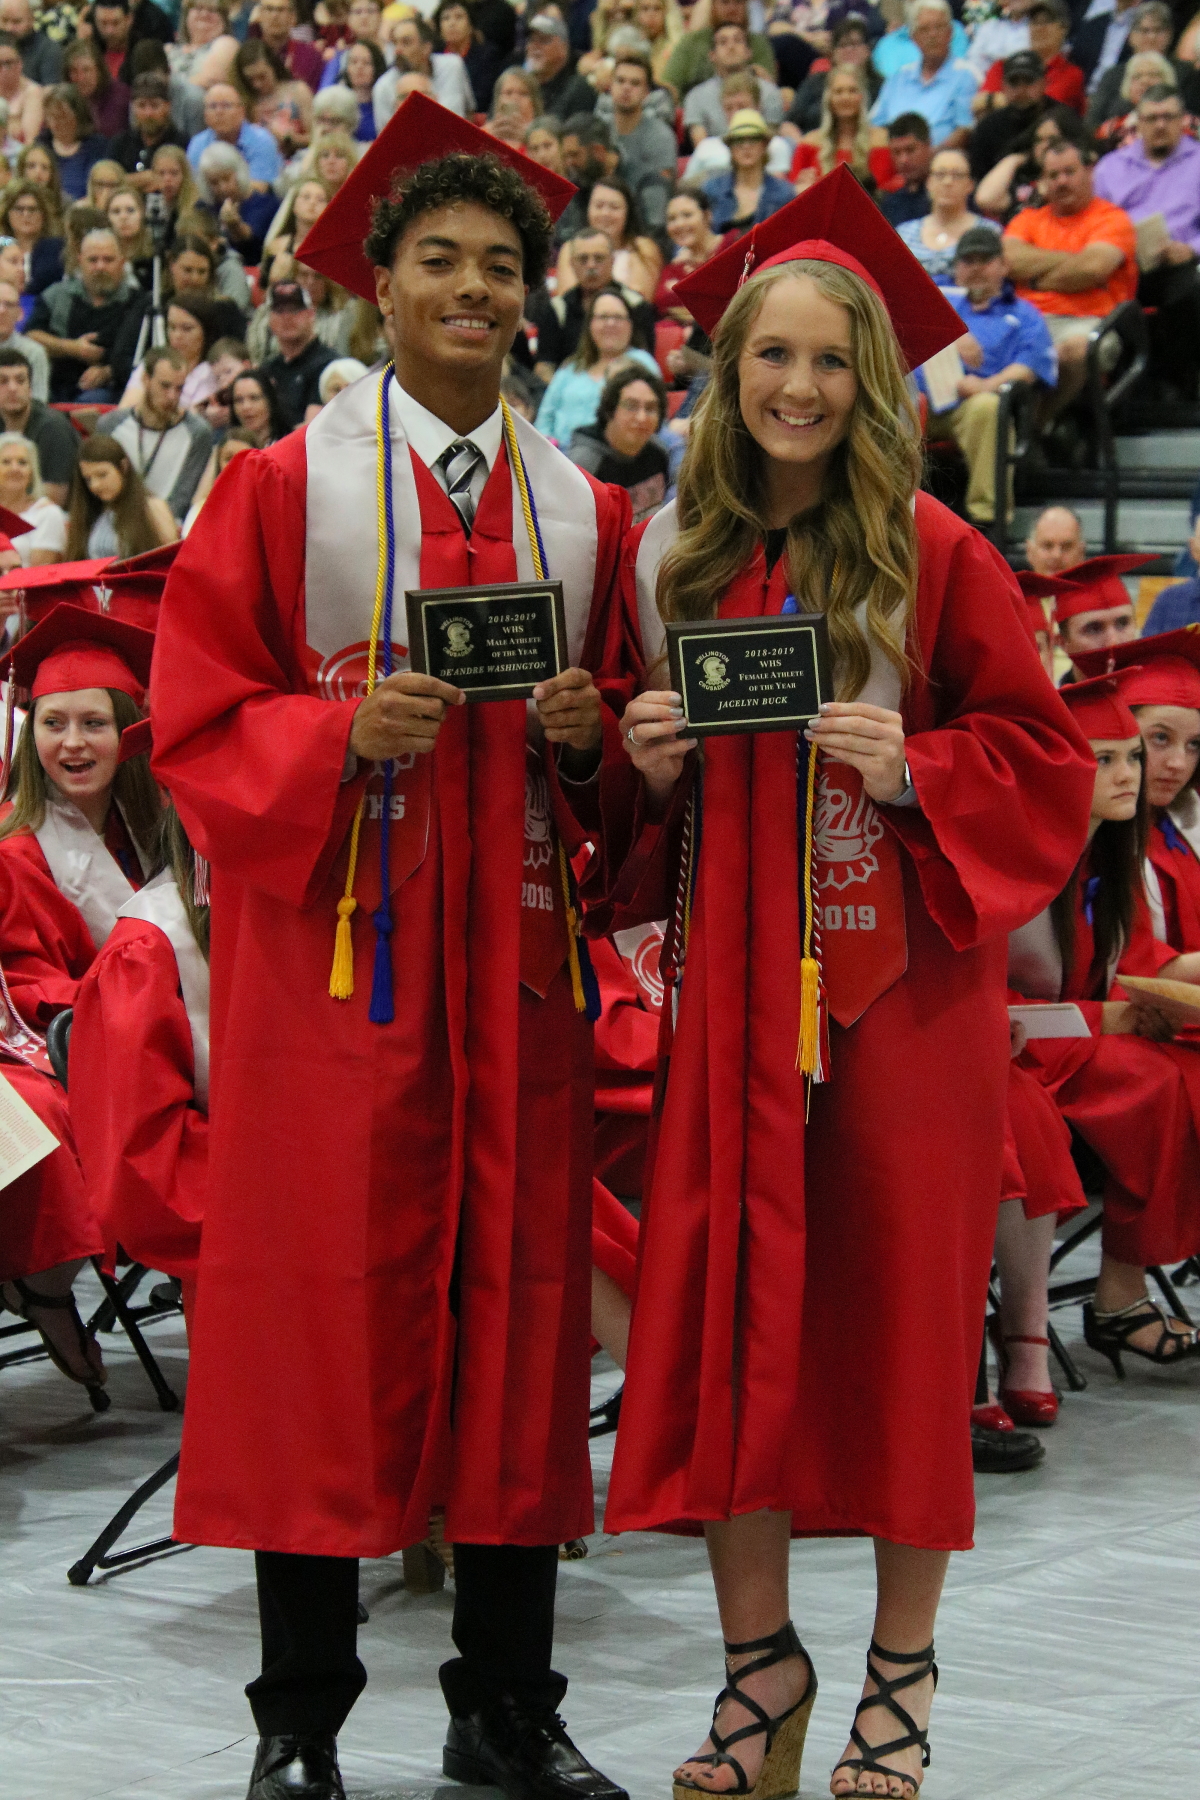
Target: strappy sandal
868 1763
785 1734
1110 1332
61 1303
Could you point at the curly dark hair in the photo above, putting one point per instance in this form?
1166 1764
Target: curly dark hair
449 181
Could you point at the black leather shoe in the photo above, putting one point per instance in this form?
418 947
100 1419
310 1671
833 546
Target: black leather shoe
297 1768
529 1758
1004 1452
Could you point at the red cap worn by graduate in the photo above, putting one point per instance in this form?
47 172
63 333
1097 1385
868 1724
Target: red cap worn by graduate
1095 585
419 131
73 648
833 222
1164 669
1037 589
128 588
1100 708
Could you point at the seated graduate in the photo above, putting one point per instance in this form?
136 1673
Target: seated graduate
1134 1100
1162 691
1093 611
139 1068
943 797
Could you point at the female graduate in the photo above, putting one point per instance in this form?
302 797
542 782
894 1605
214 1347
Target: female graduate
1135 1102
951 802
139 1068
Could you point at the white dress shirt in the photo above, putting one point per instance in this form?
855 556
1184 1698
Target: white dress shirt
431 437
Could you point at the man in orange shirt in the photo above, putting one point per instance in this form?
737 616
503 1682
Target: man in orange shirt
1074 258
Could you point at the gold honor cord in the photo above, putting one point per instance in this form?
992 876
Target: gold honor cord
808 1050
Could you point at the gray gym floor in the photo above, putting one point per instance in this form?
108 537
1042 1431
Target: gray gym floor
1068 1641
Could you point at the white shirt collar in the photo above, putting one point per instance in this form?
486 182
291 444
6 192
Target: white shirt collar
431 436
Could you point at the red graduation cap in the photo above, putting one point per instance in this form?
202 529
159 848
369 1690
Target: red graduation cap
1164 670
72 648
418 132
129 590
1100 708
834 222
1095 585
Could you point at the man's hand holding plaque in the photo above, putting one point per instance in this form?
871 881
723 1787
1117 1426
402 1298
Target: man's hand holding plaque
402 717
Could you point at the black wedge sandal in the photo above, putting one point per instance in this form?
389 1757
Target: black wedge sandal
1110 1332
785 1734
868 1762
29 1298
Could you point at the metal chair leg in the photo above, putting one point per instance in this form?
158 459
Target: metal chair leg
1167 1288
168 1399
97 1557
1076 1380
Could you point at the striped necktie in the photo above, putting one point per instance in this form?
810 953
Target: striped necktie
459 465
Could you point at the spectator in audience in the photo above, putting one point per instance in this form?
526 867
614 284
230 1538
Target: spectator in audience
588 156
704 114
459 35
332 155
637 260
111 514
1055 542
25 217
661 24
573 396
166 444
12 339
126 213
123 25
1101 40
332 312
1049 24
548 57
227 193
22 96
911 150
341 373
362 67
36 163
543 143
747 194
104 178
1178 605
1007 341
937 84
896 46
232 444
621 447
89 325
171 177
53 437
1158 174
691 60
1024 101
851 49
559 321
711 155
41 59
519 89
1074 258
647 147
689 227
276 22
1097 612
151 127
1150 33
845 135
296 368
206 48
1142 72
87 72
933 239
1014 182
254 404
271 97
192 272
12 270
189 334
22 492
293 220
999 36
69 132
413 41
225 122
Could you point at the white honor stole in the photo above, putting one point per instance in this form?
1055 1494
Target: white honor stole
84 869
159 903
342 534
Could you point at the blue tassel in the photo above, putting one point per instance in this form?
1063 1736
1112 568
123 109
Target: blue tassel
587 978
789 605
1091 888
1173 837
382 1010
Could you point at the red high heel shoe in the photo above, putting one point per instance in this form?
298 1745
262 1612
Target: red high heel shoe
1027 1406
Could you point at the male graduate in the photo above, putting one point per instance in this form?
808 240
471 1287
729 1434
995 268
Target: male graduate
392 1307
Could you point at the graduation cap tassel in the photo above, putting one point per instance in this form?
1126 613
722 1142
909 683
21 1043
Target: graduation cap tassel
10 707
810 1059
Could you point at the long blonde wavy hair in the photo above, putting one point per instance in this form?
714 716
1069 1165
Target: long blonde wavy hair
828 131
859 542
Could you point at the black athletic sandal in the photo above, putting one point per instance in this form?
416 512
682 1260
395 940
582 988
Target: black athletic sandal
61 1303
868 1762
785 1734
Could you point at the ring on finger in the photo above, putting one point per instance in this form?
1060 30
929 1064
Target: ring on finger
631 735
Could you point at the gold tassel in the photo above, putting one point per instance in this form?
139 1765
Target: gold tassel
341 976
810 987
573 961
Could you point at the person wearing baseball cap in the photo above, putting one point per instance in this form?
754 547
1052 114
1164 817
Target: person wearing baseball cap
1024 101
548 56
1007 341
400 928
1049 24
1095 611
301 359
942 799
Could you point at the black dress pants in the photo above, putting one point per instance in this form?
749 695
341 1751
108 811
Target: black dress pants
311 1676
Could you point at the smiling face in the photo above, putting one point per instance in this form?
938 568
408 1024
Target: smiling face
796 373
248 405
685 222
607 211
1118 779
1171 736
77 741
844 94
455 291
16 476
635 420
612 328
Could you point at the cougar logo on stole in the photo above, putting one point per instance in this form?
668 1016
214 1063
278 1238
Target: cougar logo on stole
844 836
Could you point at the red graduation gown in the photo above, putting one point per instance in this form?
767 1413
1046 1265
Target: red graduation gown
45 947
46 1216
1135 1102
352 1190
626 1054
142 1140
841 1290
1178 871
1038 1169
